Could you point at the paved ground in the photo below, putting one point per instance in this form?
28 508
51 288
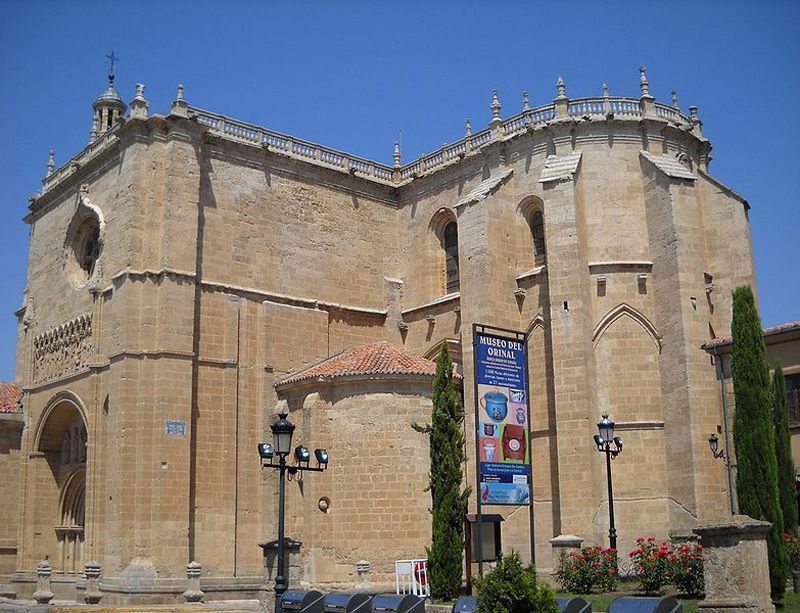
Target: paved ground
239 606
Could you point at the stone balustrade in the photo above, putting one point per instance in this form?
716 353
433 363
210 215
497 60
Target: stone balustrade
562 109
592 108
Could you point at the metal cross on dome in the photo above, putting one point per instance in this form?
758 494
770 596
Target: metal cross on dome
112 59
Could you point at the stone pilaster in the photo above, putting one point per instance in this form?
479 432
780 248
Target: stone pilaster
570 321
690 400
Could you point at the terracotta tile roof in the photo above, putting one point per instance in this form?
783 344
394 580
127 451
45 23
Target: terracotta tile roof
10 395
373 359
722 341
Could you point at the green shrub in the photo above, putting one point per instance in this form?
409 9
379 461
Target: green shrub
592 567
510 588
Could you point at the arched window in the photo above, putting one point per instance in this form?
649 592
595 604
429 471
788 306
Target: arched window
70 527
450 242
537 233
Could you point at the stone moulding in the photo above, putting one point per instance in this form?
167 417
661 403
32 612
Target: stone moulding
266 296
447 298
597 268
530 275
62 350
625 310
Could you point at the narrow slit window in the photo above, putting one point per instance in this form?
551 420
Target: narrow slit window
450 239
537 232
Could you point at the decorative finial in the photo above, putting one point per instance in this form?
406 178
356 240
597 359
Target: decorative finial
643 83
607 111
469 127
179 106
525 103
396 155
675 99
112 58
139 105
495 107
693 113
560 87
51 162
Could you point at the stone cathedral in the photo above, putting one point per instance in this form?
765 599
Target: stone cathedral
190 274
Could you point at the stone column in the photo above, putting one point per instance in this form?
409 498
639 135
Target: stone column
193 592
43 594
736 567
92 595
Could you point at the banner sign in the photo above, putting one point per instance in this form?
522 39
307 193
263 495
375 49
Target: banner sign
502 415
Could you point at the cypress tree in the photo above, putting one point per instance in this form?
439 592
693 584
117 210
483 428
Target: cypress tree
448 500
754 433
783 450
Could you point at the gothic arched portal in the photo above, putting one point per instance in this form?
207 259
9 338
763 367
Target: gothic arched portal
58 506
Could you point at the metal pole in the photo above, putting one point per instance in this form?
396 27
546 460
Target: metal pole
531 517
281 583
612 531
478 510
721 363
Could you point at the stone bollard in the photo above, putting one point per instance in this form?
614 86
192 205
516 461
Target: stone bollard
193 592
362 569
92 570
735 566
43 594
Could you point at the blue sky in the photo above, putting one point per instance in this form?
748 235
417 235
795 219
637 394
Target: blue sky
352 75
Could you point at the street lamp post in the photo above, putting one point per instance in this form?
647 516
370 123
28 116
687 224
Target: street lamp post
282 431
603 442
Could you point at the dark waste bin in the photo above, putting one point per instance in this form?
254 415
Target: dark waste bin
465 604
573 605
398 603
307 602
347 603
630 604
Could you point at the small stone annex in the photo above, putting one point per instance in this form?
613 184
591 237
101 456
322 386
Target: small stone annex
190 274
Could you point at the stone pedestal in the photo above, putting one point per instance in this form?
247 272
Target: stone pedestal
563 545
736 567
43 593
266 595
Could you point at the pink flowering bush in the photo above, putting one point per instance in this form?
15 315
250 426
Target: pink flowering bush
687 569
592 567
660 564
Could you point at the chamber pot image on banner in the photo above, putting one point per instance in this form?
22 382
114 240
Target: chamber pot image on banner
495 403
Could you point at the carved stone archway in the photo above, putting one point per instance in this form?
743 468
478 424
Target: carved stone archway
57 506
